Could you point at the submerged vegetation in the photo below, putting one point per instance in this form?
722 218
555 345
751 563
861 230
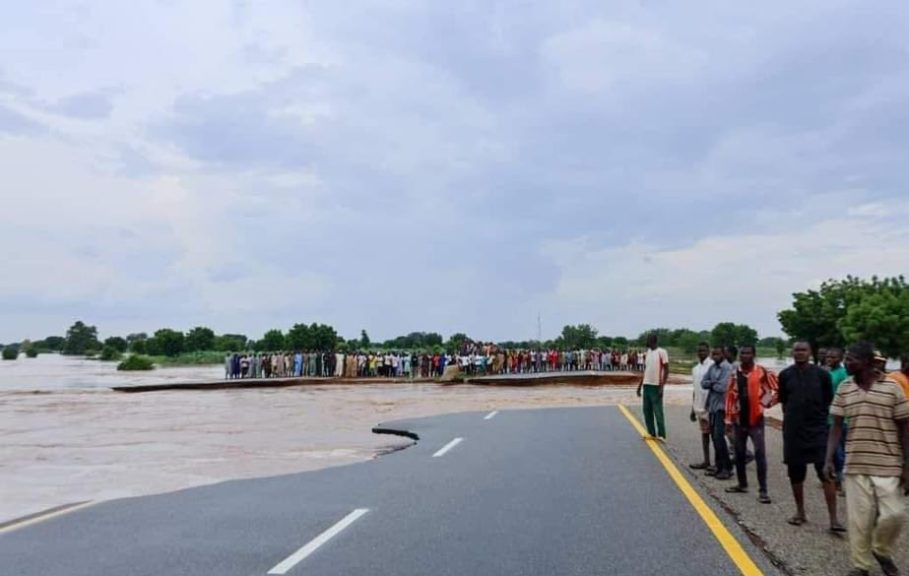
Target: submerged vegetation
135 363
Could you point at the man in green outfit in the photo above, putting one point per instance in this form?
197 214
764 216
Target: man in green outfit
656 373
838 375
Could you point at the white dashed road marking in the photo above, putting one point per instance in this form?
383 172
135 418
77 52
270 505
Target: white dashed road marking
447 447
320 540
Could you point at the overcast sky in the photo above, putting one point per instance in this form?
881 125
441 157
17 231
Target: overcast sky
447 166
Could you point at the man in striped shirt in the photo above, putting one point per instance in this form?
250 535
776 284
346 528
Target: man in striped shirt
877 455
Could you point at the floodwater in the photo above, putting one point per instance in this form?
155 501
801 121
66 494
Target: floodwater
55 372
67 437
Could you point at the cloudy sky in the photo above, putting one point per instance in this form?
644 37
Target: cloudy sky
449 166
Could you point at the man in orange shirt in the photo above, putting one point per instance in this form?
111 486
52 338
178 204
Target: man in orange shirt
901 376
752 388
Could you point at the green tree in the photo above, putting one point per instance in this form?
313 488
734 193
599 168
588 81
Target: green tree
665 336
200 339
53 343
130 338
432 339
272 341
620 342
109 353
878 311
152 347
137 342
729 333
687 340
815 315
774 342
580 336
80 339
324 337
456 341
299 337
139 346
117 343
169 342
231 343
364 340
414 341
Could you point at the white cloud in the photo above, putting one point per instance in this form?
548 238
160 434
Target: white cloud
603 55
745 277
396 167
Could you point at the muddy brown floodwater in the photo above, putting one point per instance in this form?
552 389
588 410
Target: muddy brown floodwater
72 445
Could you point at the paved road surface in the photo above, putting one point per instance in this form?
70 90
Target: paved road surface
543 492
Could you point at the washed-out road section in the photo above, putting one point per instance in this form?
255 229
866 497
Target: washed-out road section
536 492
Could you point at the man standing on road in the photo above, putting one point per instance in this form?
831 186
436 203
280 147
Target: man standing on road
838 375
877 461
656 373
806 391
752 388
699 412
716 381
901 377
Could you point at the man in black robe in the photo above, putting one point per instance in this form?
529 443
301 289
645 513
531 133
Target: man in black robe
806 391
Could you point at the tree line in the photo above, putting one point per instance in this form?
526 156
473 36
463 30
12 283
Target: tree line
842 312
836 314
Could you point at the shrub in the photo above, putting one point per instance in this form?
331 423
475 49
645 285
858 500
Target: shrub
135 363
10 353
32 352
110 353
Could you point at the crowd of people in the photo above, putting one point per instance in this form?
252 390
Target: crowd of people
844 416
472 359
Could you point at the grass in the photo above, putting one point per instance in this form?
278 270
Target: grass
191 359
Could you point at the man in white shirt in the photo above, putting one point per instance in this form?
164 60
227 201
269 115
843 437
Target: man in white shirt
656 373
699 412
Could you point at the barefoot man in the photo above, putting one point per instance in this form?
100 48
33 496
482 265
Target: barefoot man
806 391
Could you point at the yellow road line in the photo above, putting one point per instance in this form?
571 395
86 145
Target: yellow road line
732 547
56 512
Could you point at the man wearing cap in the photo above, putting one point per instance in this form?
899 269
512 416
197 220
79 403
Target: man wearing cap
877 459
901 376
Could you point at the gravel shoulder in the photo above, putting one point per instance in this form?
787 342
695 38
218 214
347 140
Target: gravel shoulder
809 550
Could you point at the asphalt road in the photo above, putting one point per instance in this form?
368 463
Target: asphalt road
543 492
